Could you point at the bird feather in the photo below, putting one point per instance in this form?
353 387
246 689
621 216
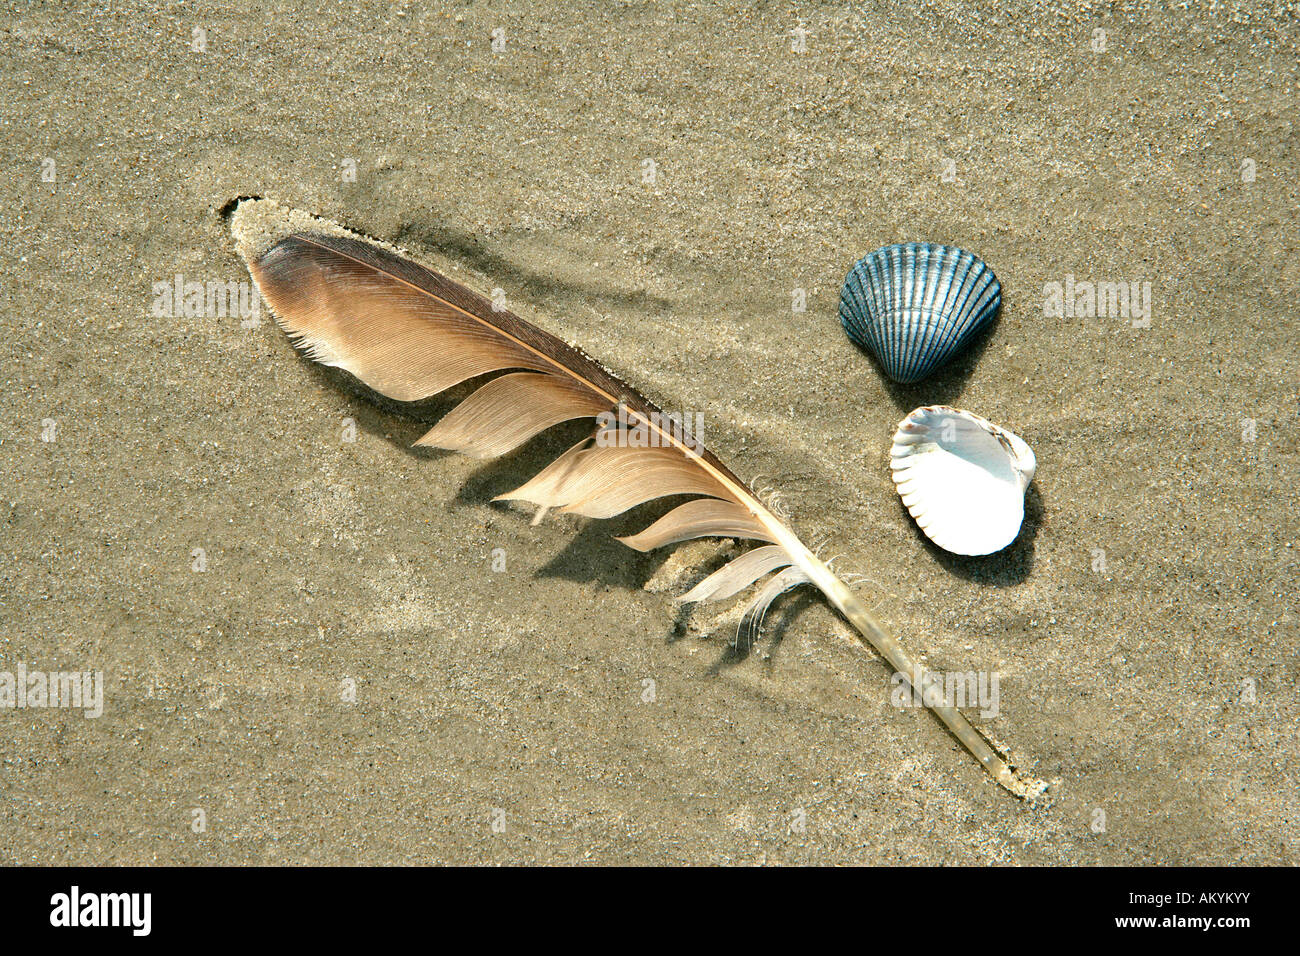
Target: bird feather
409 333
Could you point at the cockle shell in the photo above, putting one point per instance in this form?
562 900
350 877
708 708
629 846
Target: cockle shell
914 305
962 478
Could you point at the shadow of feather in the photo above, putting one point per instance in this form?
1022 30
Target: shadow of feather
497 476
468 248
381 416
592 556
737 651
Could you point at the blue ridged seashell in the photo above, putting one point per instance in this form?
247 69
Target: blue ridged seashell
914 305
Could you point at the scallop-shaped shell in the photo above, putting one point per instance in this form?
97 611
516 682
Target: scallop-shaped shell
962 478
915 305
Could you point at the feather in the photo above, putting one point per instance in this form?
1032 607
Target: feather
701 518
603 482
508 411
739 574
777 585
409 332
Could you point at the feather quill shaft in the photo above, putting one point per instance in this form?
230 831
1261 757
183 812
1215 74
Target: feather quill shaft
409 333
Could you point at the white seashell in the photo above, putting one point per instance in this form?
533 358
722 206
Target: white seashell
962 478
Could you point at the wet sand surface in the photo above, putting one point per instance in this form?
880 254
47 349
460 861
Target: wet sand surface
651 182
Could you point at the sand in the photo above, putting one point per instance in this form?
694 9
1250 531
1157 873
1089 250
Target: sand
349 680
